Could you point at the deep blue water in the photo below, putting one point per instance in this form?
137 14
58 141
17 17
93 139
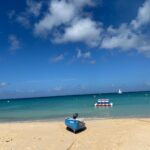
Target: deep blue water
125 105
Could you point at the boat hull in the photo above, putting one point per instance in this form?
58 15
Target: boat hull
74 125
105 105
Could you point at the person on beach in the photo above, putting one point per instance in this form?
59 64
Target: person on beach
75 116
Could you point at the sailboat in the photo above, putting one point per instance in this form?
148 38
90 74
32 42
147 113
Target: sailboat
119 91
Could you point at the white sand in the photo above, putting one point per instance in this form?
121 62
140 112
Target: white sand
111 134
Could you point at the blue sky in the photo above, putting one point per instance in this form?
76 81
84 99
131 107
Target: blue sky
59 47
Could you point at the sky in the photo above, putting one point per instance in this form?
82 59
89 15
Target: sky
67 47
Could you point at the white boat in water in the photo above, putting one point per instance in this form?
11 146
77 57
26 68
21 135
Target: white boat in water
119 91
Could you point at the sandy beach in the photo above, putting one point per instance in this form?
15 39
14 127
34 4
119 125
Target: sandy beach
104 134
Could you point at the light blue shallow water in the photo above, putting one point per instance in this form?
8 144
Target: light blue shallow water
125 105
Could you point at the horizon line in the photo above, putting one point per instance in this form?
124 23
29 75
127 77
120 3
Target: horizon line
71 95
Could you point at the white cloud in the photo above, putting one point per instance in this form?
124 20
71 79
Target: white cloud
77 28
126 39
57 58
143 16
87 55
23 21
3 84
68 15
14 42
122 37
130 36
65 21
81 54
84 57
33 7
82 30
93 62
60 12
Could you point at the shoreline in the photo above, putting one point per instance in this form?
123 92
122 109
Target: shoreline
104 93
62 119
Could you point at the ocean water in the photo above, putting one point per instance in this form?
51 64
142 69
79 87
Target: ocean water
126 105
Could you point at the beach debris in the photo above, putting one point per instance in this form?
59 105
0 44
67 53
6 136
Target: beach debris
8 140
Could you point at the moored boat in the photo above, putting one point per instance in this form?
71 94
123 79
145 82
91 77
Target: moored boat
103 102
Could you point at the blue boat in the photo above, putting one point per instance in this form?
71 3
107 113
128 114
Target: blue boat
75 124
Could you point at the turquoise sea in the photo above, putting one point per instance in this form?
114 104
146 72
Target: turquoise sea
126 105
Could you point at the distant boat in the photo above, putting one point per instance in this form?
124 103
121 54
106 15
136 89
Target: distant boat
103 102
119 91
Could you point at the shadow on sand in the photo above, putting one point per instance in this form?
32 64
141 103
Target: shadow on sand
79 131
